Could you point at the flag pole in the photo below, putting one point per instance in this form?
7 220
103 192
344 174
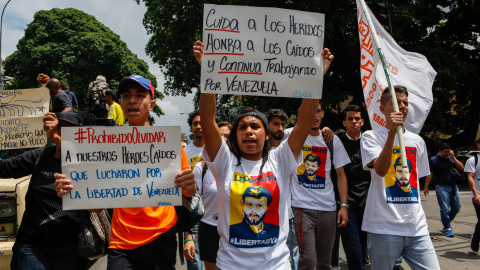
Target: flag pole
401 142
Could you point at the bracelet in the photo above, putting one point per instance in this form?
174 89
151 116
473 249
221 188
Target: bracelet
188 239
344 205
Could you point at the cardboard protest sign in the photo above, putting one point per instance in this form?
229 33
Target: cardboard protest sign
21 118
262 51
117 167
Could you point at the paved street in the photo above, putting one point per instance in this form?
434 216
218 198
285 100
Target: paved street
453 253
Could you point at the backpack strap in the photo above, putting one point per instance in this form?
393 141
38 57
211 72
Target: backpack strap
330 148
476 159
204 171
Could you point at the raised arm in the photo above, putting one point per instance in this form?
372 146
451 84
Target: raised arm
306 114
457 163
208 108
50 126
299 134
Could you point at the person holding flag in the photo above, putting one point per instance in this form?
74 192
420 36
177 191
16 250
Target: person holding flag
395 222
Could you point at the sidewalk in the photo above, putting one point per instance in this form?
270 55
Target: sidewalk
453 253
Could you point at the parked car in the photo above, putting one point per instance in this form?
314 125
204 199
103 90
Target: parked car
463 156
12 206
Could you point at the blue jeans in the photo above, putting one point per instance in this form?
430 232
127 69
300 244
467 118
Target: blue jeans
417 251
197 263
31 257
292 245
351 243
449 202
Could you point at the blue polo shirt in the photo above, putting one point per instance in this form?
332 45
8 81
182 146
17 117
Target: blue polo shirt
441 170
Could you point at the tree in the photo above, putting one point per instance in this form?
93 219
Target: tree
73 46
445 31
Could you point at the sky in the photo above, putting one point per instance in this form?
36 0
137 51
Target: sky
124 17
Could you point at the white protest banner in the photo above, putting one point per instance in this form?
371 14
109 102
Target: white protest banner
21 118
262 51
118 167
409 69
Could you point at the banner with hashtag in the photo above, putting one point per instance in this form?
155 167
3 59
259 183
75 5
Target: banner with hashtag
116 167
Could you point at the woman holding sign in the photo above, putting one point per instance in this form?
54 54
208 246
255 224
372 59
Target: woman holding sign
252 181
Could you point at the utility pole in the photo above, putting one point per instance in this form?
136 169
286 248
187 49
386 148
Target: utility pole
1 60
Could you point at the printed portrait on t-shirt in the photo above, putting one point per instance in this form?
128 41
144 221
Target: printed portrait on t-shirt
254 218
311 173
193 161
401 184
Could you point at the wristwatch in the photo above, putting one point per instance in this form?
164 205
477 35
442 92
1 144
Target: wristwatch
344 205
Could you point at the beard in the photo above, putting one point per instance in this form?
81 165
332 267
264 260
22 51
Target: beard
406 184
250 221
277 136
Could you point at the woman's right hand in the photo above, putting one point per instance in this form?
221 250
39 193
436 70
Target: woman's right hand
62 184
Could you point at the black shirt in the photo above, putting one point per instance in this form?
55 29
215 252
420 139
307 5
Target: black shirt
358 179
44 222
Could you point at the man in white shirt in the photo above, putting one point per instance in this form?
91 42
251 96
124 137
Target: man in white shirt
313 198
194 153
395 221
194 149
472 168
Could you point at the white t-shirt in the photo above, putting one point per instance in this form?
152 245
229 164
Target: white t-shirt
240 246
194 154
311 185
470 167
208 189
394 207
289 197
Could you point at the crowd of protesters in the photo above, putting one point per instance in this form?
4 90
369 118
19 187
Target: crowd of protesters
99 94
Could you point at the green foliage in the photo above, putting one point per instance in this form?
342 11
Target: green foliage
445 31
73 46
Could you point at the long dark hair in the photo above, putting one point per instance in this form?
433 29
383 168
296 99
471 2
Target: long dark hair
232 138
